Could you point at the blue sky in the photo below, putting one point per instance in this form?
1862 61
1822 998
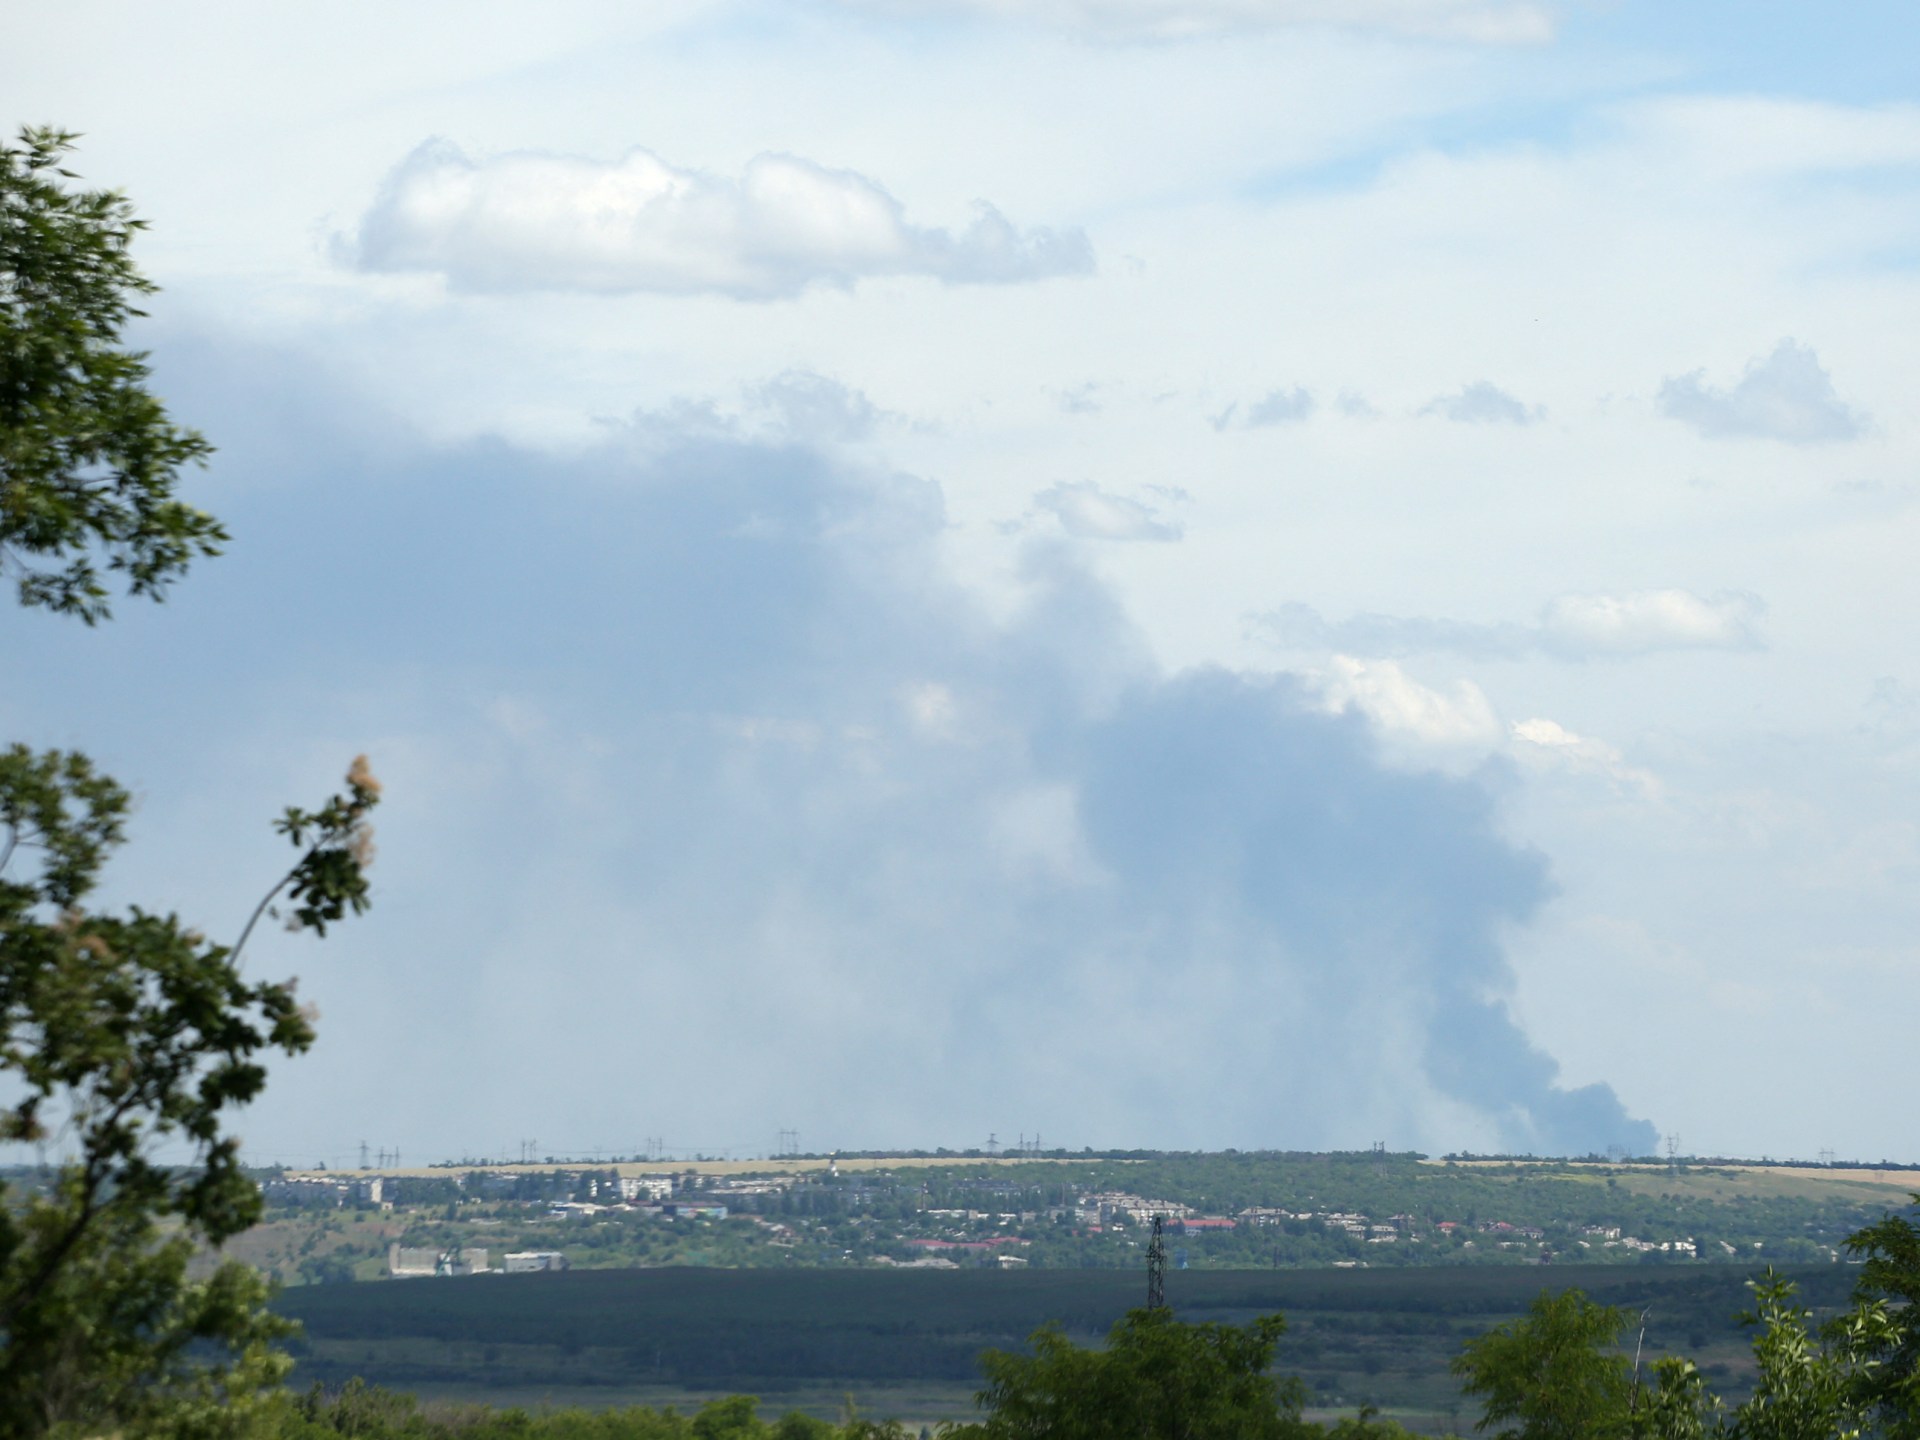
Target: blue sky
1161 572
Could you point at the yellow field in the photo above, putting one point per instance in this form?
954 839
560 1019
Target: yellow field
1724 1181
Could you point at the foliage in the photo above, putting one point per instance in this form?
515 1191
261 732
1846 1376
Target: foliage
1551 1375
1890 1274
88 457
1557 1374
1157 1377
1806 1387
1676 1406
122 1036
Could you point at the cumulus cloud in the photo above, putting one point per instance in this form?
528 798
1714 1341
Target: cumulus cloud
1087 512
1578 626
1786 395
1484 403
535 221
1457 717
1495 22
1570 627
797 803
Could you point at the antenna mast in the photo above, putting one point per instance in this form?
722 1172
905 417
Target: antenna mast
1157 1267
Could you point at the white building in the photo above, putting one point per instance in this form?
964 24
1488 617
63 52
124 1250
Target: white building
520 1262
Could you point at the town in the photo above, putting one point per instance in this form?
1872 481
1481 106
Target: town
1229 1211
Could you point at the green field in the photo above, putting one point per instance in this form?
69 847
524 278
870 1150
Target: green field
906 1343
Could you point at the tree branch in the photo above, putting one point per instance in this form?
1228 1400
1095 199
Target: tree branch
233 955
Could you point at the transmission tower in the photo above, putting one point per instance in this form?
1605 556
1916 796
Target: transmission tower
1157 1266
363 1154
789 1142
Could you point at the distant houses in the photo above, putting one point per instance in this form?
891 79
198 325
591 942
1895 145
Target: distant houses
310 1192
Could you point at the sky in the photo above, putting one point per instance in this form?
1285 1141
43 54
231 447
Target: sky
1165 573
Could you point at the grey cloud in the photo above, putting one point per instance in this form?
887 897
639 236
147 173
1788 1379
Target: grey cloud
795 407
1570 627
815 409
1280 407
699 764
1484 403
1787 396
1081 399
534 221
1277 407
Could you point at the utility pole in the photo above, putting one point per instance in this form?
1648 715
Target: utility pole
1157 1266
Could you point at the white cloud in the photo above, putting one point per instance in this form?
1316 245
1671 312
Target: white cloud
1087 512
1788 395
1571 627
1495 22
1583 626
1456 717
1484 403
1541 744
532 221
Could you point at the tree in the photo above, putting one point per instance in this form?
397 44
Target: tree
1890 1274
88 458
1551 1375
120 1033
1157 1379
1809 1387
1556 1372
